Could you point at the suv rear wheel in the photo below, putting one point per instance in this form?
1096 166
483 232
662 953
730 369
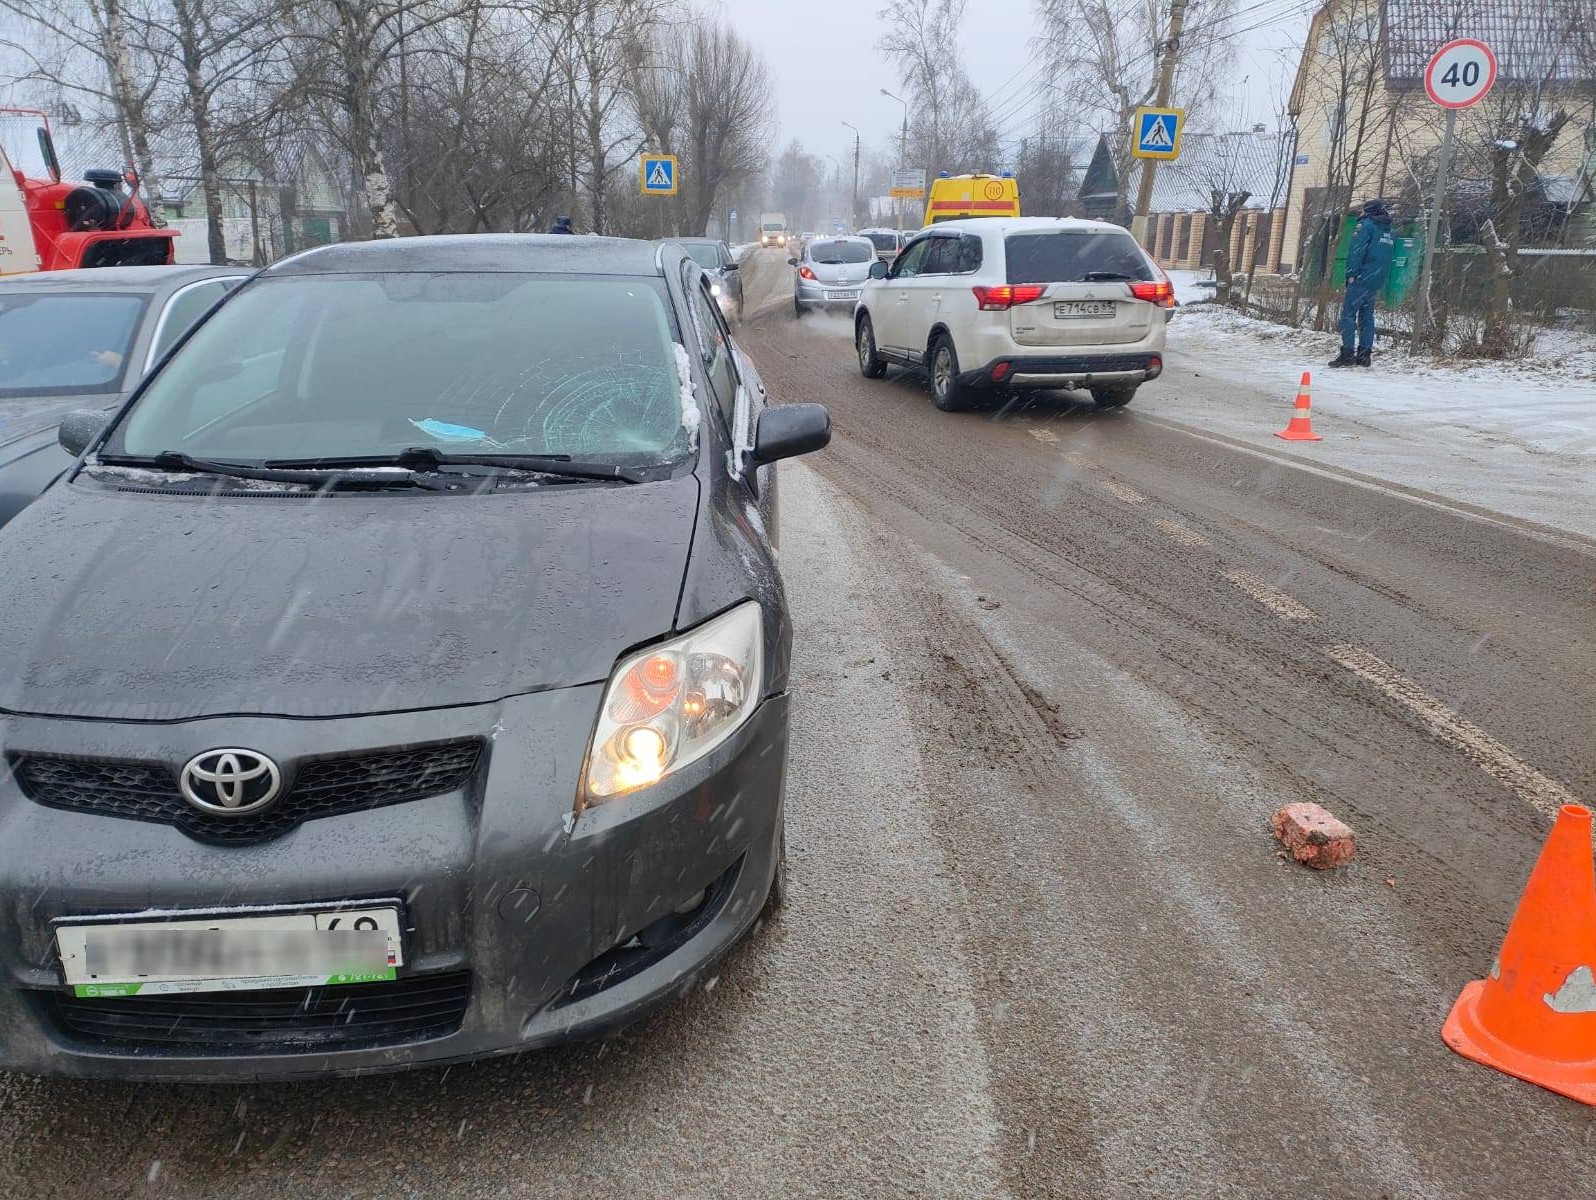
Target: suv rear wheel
947 393
871 364
1116 396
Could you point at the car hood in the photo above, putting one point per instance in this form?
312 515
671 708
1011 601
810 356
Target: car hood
160 607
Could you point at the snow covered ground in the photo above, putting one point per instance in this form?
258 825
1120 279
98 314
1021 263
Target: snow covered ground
1515 438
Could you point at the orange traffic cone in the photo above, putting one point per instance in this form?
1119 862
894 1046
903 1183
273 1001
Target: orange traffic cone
1300 427
1535 1016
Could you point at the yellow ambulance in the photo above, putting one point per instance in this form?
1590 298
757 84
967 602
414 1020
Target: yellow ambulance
955 196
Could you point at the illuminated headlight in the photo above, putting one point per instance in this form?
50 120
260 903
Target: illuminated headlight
714 289
672 704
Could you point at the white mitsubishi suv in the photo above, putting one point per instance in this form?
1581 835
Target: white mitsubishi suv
1025 302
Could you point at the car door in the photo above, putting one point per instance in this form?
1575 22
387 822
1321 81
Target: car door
931 284
894 322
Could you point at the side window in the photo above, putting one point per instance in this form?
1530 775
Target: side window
911 262
943 256
183 309
715 351
969 255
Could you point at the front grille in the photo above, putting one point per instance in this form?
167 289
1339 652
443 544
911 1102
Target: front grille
282 1020
324 787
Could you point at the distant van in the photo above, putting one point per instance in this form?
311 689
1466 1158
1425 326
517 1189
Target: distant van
956 196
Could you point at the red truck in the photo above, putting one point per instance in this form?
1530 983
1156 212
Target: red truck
47 224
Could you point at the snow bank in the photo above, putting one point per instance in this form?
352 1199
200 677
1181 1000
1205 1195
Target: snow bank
1542 404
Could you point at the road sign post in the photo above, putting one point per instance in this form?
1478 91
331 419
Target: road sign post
1460 74
908 183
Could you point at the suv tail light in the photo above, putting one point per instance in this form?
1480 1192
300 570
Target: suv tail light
1155 291
1006 296
805 273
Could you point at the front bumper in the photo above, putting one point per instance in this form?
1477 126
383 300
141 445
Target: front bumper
498 885
1056 371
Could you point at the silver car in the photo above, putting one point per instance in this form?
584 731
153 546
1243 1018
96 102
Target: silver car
829 273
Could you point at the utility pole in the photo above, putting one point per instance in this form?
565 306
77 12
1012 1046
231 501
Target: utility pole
903 144
853 213
1166 85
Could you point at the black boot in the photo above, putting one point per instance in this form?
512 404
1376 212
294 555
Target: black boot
1345 359
1361 358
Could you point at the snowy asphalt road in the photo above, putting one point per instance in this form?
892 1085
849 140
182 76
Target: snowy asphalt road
1054 669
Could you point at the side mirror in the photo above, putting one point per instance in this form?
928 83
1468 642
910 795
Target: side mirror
878 270
792 262
791 430
732 266
79 428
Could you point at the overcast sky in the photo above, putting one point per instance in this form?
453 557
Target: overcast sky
827 69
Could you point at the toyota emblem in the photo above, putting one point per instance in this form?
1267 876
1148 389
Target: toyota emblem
230 782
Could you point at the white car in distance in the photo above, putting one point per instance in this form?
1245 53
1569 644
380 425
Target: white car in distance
1027 302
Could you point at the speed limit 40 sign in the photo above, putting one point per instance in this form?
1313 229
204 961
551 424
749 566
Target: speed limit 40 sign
1460 73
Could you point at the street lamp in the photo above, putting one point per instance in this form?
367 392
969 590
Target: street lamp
853 213
903 146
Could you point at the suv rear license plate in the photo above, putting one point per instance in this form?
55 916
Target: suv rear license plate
1066 309
853 295
323 948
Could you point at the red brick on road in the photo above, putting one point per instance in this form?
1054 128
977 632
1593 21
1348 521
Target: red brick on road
1313 836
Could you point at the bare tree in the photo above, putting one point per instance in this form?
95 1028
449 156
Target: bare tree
950 127
89 48
727 112
1106 56
607 47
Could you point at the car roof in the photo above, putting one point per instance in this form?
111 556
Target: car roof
840 237
142 280
1007 225
484 252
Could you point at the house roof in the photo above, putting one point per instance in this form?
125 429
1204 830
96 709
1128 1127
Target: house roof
1255 163
1535 41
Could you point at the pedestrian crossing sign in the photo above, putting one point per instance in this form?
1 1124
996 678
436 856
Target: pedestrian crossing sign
659 175
1158 132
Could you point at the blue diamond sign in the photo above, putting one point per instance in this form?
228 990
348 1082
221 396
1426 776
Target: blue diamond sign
1158 132
659 175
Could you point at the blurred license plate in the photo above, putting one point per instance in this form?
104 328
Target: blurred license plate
1065 309
219 954
853 295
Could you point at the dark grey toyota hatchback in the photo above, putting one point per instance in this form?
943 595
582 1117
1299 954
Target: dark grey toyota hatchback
400 676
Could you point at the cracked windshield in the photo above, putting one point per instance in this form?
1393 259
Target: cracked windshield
692 599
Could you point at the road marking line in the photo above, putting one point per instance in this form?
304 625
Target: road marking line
1181 533
1046 435
1271 597
1077 459
1128 494
1541 792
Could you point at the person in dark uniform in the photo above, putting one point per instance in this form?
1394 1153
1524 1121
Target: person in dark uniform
562 224
1368 267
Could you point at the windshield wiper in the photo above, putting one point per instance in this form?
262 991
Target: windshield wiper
427 458
173 460
1107 277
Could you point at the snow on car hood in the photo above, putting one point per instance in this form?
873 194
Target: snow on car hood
166 607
